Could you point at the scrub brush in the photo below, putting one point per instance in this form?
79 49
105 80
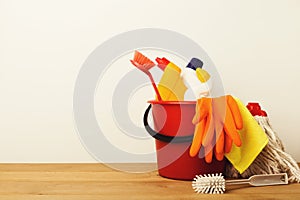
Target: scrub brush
145 64
215 183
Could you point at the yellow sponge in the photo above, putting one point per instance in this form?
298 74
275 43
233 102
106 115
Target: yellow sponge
253 137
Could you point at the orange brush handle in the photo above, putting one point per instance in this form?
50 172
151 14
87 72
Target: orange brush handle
154 86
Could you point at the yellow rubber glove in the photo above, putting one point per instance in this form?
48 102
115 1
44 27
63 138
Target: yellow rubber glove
217 122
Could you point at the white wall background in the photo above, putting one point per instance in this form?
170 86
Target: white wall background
254 44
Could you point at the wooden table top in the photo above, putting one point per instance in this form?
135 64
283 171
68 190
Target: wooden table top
97 181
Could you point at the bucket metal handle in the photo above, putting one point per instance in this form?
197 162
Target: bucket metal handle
161 137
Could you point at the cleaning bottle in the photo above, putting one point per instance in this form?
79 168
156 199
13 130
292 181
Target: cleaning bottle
171 86
196 78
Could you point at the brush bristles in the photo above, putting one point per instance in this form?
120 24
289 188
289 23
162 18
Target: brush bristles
209 184
143 60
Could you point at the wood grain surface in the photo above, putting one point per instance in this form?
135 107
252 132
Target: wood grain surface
98 181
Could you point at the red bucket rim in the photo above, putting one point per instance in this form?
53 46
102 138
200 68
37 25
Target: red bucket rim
171 102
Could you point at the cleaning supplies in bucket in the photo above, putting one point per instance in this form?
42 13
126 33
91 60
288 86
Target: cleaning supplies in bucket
211 127
209 131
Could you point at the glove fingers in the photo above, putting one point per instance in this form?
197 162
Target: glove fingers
209 120
196 117
209 131
235 112
228 143
199 108
219 156
220 143
208 154
197 140
230 128
202 109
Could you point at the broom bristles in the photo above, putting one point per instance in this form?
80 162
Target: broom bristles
143 60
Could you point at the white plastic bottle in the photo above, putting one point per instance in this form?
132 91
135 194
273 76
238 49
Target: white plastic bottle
199 89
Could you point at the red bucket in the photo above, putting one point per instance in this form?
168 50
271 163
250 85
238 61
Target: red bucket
173 131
